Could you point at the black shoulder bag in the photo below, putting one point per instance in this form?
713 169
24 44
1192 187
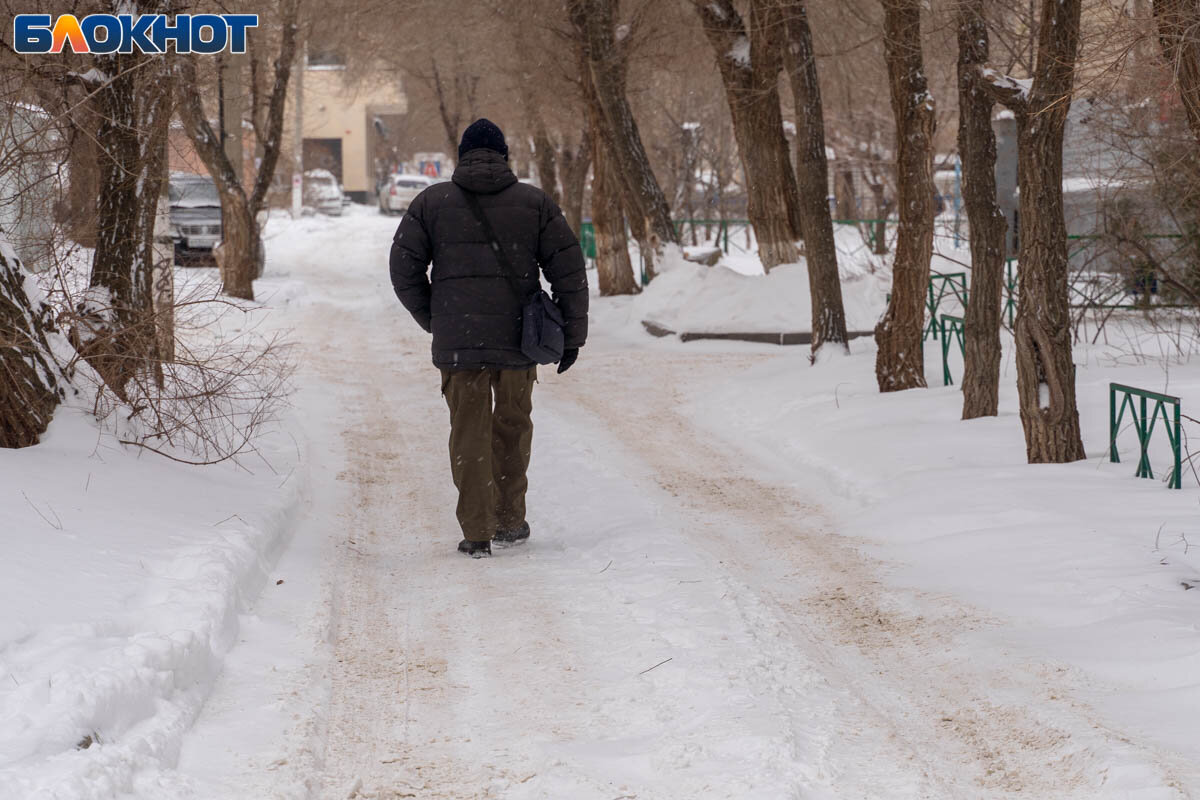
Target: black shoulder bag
542 336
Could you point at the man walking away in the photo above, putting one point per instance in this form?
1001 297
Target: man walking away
473 309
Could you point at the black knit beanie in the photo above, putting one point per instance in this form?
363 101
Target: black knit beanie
483 133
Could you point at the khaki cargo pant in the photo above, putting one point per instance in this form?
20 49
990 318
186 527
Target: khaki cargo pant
490 446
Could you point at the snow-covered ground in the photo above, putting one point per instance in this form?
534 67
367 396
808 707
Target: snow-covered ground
749 577
732 298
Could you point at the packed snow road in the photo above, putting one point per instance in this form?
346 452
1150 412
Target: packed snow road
686 622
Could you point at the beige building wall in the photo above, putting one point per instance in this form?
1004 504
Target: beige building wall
335 110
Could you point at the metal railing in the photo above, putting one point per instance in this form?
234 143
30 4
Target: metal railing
874 231
1144 424
717 232
587 240
951 326
942 286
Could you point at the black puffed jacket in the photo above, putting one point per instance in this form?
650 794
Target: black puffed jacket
466 301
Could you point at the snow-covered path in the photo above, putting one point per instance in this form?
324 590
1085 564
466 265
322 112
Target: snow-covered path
686 622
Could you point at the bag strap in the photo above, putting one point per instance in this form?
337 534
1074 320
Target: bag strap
494 243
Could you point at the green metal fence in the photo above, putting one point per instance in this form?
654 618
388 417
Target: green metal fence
874 231
951 326
940 287
1144 424
716 232
587 240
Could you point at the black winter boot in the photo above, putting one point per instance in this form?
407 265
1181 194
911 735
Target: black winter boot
475 549
518 535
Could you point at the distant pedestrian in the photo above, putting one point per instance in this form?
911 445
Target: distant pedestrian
473 307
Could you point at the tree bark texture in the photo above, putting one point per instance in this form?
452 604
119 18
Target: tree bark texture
31 383
812 179
749 61
977 149
642 197
83 189
241 245
575 161
1045 369
1179 36
117 333
546 156
900 363
237 221
614 270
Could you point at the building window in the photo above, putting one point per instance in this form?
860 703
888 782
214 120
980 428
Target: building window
325 58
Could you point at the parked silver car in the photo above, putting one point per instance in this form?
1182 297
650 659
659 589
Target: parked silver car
322 192
400 190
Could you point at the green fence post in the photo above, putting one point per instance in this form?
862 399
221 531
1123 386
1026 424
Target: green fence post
946 379
1144 434
1176 481
957 329
932 305
1113 422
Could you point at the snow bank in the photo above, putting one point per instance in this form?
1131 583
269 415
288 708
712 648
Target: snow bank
123 574
735 295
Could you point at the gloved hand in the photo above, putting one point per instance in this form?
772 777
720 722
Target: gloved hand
568 358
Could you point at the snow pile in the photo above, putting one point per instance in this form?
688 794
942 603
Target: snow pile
736 297
697 299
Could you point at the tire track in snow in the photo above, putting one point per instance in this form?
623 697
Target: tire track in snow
915 701
795 670
525 676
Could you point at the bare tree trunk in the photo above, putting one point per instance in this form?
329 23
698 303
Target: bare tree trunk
451 120
812 178
83 161
1179 36
977 148
575 166
241 245
271 138
605 60
614 270
883 209
119 337
237 221
547 166
157 262
899 363
31 383
846 199
749 62
1045 369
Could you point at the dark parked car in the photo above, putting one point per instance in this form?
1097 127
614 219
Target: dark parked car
195 216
